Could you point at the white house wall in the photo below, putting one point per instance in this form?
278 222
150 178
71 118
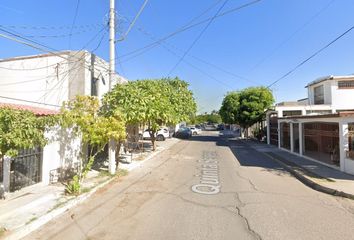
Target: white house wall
347 163
342 98
302 108
338 99
327 91
53 79
44 84
63 151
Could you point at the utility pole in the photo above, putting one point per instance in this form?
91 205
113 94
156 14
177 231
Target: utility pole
112 144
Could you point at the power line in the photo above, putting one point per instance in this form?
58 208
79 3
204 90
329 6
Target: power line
33 69
312 56
60 83
67 72
168 46
191 65
23 100
54 28
59 36
99 43
197 38
45 49
37 79
133 22
185 28
74 21
291 36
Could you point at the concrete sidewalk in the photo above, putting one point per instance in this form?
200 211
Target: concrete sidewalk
26 210
315 175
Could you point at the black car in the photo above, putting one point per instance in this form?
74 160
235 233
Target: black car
220 127
183 132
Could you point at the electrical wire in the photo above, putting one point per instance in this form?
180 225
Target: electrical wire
41 49
74 21
48 77
134 20
311 19
185 28
59 36
40 46
33 69
168 47
312 56
54 28
197 38
195 67
22 100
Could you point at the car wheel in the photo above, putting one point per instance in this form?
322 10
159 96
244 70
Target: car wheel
160 138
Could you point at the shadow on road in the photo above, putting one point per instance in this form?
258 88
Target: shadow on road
249 157
244 154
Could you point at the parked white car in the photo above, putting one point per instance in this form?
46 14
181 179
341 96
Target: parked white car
161 134
195 130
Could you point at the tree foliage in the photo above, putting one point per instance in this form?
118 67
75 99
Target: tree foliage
209 118
153 102
246 107
82 115
20 129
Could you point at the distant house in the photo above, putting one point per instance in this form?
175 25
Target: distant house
40 83
320 127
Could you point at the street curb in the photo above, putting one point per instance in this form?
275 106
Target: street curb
28 228
151 156
308 182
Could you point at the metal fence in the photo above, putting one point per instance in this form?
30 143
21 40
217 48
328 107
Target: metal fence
1 170
26 169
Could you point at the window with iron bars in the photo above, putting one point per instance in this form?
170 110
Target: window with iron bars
346 84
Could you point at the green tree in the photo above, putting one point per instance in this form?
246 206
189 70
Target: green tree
230 108
210 118
246 107
82 116
152 102
20 129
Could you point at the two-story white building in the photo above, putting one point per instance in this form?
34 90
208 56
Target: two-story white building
40 83
319 127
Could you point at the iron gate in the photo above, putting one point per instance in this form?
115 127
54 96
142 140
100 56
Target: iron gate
26 169
1 170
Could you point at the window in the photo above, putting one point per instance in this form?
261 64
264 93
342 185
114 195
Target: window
292 113
346 84
319 111
319 95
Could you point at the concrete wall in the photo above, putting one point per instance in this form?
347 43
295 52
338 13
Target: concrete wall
342 98
63 151
43 82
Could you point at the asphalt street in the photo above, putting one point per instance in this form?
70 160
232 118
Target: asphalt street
209 187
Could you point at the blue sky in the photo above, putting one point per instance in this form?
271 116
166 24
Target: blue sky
260 43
